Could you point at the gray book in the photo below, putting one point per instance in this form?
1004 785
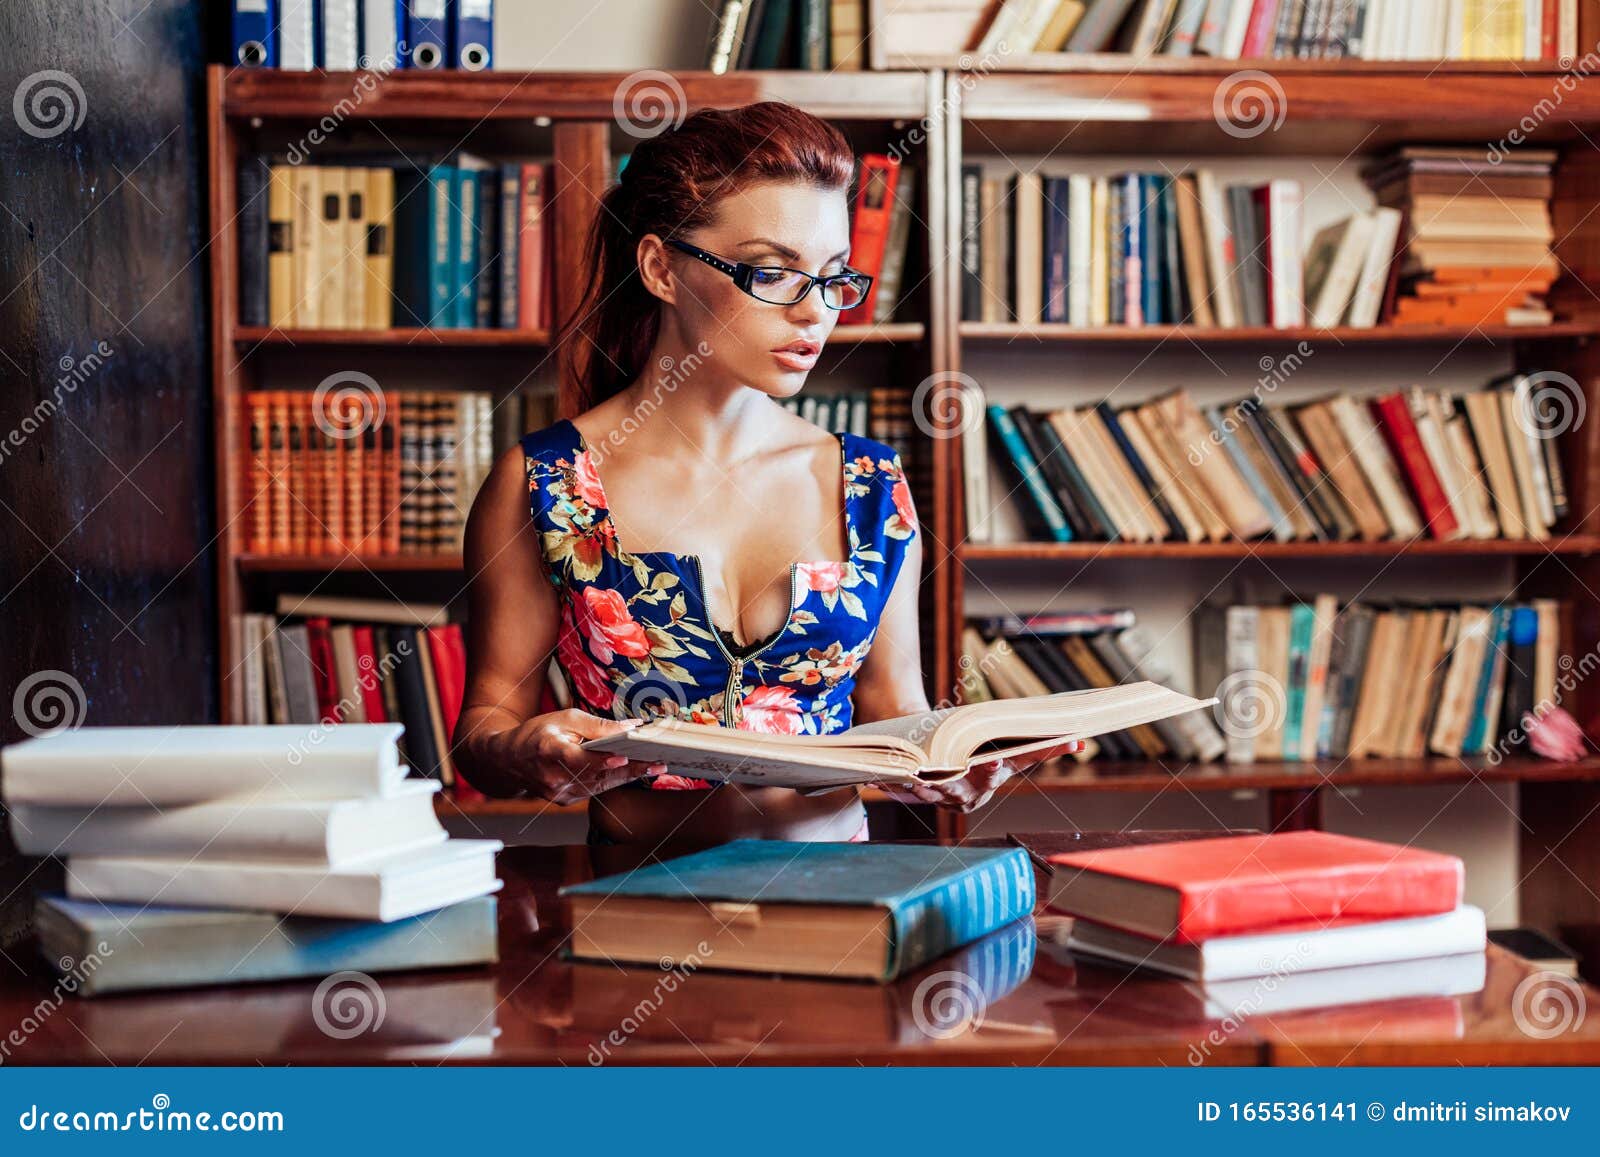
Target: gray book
124 947
1098 26
1356 627
294 660
1250 257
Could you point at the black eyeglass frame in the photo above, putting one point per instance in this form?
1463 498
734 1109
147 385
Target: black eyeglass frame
744 273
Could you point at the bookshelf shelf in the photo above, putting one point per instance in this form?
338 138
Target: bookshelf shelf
1155 777
318 563
1122 64
1576 544
445 806
247 336
1153 335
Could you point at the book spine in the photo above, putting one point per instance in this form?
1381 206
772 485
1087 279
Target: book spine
1401 431
979 901
1029 470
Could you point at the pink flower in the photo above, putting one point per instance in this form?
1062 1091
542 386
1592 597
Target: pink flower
770 709
821 576
902 503
669 782
587 679
603 618
587 480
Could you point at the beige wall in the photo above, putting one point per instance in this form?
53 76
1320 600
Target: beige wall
602 34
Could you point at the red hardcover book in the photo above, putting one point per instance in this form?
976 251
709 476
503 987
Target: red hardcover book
1550 30
1188 892
869 235
1394 416
319 641
532 304
1263 25
368 679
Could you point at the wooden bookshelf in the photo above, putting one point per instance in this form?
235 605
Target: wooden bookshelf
569 117
1576 544
1153 335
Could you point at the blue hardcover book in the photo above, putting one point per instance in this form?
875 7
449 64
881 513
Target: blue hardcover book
472 34
1150 226
165 947
1494 664
865 911
426 241
426 33
1132 240
510 249
1055 522
1057 238
1227 437
464 308
1302 619
253 41
383 34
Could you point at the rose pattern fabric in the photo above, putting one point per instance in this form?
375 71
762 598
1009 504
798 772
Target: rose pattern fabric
636 637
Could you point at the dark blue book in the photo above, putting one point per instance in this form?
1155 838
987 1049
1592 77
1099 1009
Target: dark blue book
864 911
1016 456
427 237
1057 239
1132 239
1151 294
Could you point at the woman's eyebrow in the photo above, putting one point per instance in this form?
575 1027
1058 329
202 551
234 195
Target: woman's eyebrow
766 244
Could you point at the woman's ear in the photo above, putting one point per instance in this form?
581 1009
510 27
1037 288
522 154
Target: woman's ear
655 270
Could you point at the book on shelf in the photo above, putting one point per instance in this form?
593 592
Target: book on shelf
813 35
1410 463
842 910
393 472
1315 680
316 821
378 35
926 747
458 242
1008 657
1326 30
139 947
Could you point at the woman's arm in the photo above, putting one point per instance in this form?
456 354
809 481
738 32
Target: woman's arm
502 746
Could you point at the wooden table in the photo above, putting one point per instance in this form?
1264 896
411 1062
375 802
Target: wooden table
1016 998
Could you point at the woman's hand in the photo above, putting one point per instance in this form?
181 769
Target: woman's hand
971 791
545 753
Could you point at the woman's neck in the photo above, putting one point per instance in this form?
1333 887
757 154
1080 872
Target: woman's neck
693 405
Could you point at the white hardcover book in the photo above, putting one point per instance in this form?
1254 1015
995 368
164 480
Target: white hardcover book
1330 289
1455 975
380 888
1456 31
339 36
1217 235
297 48
1002 29
1374 279
1099 257
1080 225
1282 953
1288 278
1237 28
1532 28
1527 428
198 763
1372 453
1241 655
326 832
380 35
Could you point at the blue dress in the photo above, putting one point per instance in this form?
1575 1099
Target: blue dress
637 640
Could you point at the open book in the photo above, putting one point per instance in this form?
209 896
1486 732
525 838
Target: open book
928 747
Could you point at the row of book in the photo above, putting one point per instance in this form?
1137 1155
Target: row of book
1478 238
1316 680
1412 463
1294 29
1331 918
246 853
381 35
1155 249
383 473
1014 656
457 245
815 35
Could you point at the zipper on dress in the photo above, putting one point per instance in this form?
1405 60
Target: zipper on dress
730 701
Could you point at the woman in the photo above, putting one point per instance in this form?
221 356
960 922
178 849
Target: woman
685 545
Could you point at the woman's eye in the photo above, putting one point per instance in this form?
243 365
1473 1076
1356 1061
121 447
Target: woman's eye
769 276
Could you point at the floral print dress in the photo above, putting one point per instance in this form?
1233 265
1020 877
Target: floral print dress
636 636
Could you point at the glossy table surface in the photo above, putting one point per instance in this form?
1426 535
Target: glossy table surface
1016 997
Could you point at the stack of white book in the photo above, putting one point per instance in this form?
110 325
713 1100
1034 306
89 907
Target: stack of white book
287 819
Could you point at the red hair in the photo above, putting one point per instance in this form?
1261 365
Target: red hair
671 185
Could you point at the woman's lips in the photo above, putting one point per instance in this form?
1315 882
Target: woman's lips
794 359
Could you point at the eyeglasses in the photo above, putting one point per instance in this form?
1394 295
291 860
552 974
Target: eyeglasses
780 285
